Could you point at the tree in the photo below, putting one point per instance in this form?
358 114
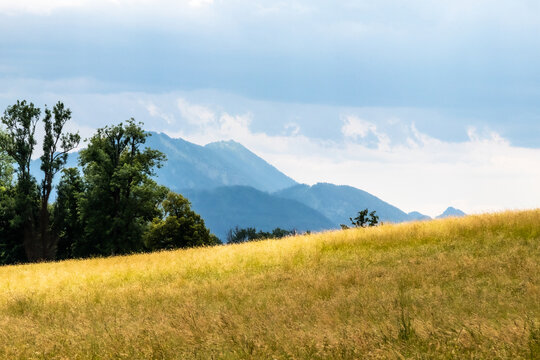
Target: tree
363 220
31 201
11 249
6 170
180 228
56 146
67 226
121 198
18 143
237 235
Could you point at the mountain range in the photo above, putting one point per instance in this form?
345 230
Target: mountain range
228 185
223 163
338 203
225 207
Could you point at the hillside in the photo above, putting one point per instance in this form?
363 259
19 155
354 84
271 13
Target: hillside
454 288
339 203
225 207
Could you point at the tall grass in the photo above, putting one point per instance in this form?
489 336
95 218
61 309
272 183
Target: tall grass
455 288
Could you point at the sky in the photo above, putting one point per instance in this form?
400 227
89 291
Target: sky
425 104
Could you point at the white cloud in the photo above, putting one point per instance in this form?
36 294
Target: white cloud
234 125
484 173
200 3
491 136
409 169
40 7
354 127
154 111
292 128
195 114
37 6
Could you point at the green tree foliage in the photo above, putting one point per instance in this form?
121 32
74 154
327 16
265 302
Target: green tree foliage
56 145
18 142
6 170
180 228
113 208
67 226
121 198
237 235
11 249
363 219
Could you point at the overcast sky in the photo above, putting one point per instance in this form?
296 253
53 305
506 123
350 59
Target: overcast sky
423 103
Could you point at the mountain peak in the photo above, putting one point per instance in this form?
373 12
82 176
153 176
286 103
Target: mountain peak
225 143
451 211
220 163
415 215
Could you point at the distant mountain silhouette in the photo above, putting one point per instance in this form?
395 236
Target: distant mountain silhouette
339 203
191 166
224 163
230 185
415 215
451 212
225 207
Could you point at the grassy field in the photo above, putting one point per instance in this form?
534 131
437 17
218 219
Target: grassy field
456 288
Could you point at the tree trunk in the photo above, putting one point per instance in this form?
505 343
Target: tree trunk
30 243
47 243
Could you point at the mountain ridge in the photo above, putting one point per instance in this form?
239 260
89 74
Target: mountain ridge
339 202
225 207
198 171
221 163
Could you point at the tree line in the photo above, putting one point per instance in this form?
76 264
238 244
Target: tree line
112 207
240 235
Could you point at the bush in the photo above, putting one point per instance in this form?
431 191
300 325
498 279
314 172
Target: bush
363 220
238 235
181 228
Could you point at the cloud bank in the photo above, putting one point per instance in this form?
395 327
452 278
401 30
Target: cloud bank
412 170
382 151
425 104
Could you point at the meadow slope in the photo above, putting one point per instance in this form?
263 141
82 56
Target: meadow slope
453 288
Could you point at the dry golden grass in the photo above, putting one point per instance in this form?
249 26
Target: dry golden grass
455 288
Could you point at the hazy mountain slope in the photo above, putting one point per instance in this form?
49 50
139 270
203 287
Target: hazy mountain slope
248 167
227 163
225 207
451 212
224 163
338 203
191 166
415 215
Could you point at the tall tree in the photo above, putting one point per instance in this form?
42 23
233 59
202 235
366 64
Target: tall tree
56 145
67 226
18 141
121 198
6 170
11 249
